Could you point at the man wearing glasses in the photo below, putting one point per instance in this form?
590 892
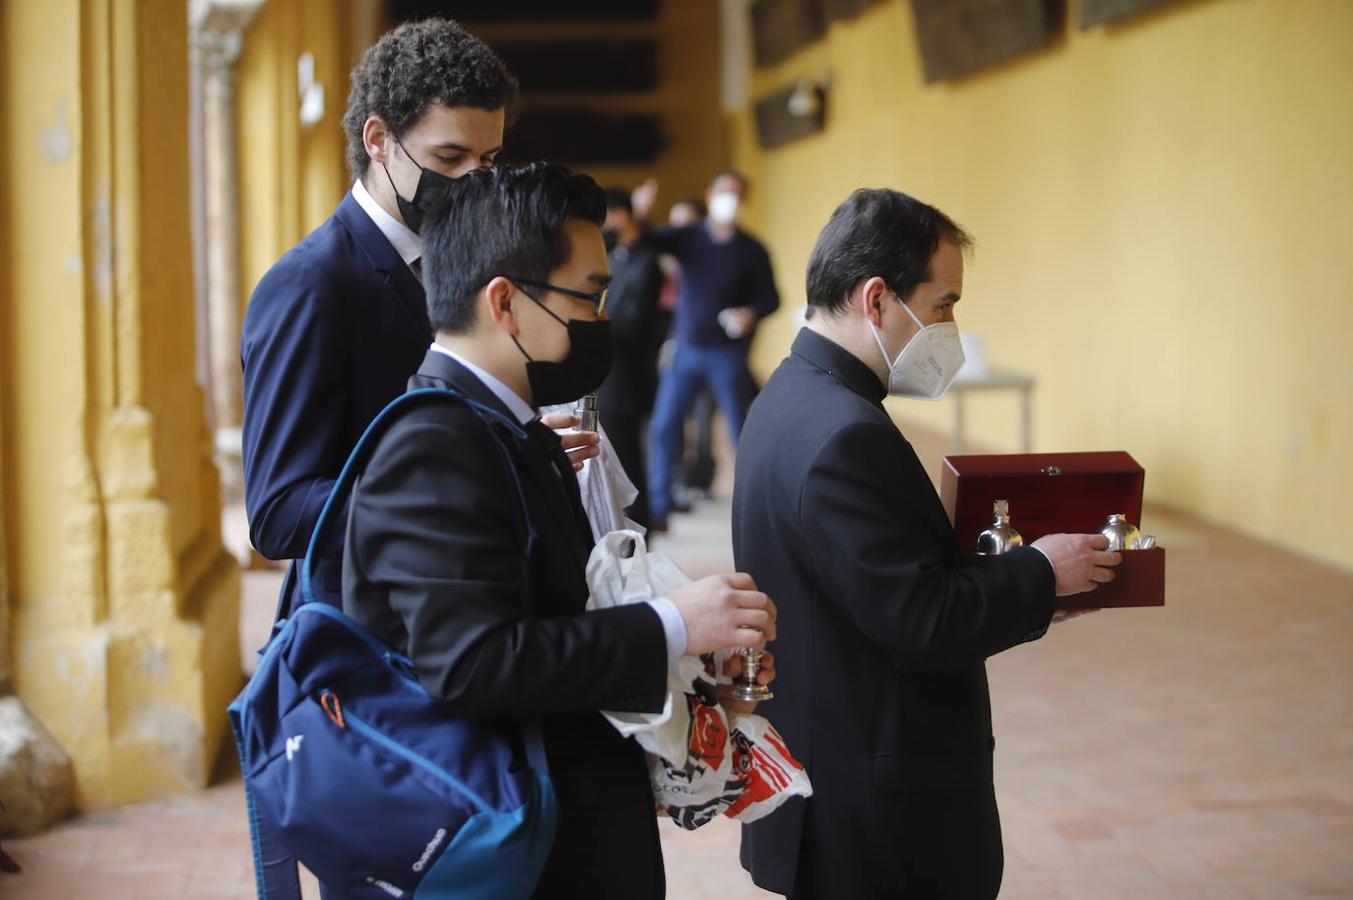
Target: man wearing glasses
439 563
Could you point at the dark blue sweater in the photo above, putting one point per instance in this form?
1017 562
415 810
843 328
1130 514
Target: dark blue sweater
714 277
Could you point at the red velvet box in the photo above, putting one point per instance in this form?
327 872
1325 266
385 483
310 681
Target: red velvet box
1058 492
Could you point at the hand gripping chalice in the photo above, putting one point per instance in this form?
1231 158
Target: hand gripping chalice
747 687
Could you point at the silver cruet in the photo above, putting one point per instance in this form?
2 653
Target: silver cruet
1122 534
587 414
1000 537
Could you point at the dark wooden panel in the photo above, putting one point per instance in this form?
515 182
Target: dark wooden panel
602 66
961 36
584 136
779 27
777 125
524 10
1097 12
834 10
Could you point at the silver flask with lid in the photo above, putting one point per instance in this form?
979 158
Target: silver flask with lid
586 411
1122 534
1000 537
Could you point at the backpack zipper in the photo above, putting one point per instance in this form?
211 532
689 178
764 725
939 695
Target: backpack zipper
366 730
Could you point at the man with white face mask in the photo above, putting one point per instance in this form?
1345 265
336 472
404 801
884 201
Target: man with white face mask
726 287
884 624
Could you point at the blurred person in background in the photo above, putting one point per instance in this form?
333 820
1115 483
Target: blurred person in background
696 472
638 326
726 287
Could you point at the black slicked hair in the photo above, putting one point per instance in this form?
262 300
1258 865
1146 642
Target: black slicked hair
414 65
877 232
505 221
738 176
695 203
619 198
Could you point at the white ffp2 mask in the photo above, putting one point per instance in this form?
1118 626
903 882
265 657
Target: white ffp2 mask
723 207
927 365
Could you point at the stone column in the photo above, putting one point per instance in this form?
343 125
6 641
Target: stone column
35 773
124 604
217 35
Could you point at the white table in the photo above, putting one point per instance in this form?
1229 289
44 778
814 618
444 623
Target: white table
994 380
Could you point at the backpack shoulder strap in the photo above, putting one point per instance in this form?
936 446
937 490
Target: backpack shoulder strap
497 424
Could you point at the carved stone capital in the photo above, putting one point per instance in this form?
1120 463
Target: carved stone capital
216 30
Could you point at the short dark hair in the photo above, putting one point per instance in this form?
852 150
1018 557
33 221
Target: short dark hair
619 198
507 220
740 177
414 65
877 232
695 203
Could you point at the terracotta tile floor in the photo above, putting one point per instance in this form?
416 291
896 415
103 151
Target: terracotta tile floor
1203 751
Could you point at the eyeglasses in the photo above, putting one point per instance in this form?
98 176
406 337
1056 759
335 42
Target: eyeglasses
598 300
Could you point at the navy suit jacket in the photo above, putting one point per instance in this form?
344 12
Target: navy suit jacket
332 334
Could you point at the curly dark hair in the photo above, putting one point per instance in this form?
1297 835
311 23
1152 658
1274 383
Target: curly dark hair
420 63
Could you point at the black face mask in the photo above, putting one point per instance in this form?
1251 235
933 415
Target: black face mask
581 372
432 188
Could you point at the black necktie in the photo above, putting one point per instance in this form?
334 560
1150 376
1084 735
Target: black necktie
416 266
546 439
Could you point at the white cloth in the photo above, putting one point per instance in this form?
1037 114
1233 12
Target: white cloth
606 490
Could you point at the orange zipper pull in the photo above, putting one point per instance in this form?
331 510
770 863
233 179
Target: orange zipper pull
332 708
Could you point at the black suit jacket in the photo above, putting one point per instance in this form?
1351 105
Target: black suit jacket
884 627
638 327
332 334
439 563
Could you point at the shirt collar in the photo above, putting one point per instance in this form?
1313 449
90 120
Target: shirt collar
404 239
829 356
518 407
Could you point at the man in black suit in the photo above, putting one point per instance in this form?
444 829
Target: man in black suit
638 327
884 624
336 327
440 564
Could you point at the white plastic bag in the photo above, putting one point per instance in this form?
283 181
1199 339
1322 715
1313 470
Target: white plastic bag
700 763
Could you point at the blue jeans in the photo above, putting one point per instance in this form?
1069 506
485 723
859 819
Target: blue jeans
724 369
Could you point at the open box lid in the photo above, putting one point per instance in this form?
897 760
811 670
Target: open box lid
1049 493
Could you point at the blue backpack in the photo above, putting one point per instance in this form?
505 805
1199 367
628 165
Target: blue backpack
353 769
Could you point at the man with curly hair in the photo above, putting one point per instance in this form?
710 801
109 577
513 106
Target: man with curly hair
338 325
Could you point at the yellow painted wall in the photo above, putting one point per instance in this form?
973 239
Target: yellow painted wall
291 178
1163 212
124 604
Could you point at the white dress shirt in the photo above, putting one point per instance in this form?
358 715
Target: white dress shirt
404 239
520 409
673 626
